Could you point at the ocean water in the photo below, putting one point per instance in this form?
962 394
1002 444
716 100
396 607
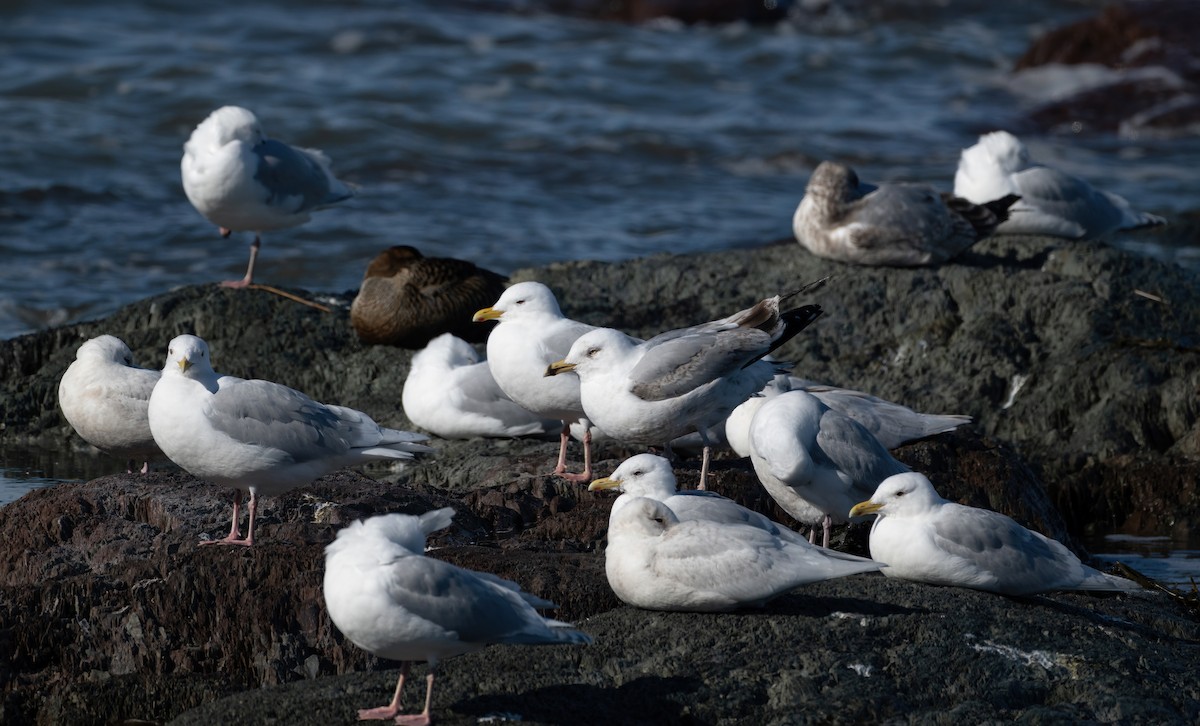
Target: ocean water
499 133
510 138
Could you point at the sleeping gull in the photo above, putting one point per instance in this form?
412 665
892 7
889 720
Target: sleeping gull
681 380
815 462
104 397
901 225
257 435
655 561
451 393
891 423
387 598
407 299
531 333
925 538
241 180
1052 202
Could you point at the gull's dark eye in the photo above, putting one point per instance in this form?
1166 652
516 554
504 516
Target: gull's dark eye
900 493
660 520
592 352
519 302
639 472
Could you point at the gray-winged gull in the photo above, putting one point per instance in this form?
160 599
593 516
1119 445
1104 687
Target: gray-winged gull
655 561
891 423
257 435
815 462
682 380
1052 202
104 397
532 333
242 181
925 538
387 598
888 224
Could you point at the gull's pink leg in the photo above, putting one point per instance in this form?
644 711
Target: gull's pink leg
563 437
812 535
393 708
245 281
129 464
145 467
586 474
828 527
421 719
233 539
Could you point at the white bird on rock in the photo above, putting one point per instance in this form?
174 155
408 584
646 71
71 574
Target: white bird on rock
891 423
257 435
651 476
1052 202
682 380
923 537
451 393
888 224
531 333
655 561
387 598
815 462
241 180
104 397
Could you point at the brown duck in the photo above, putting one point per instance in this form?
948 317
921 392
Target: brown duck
407 299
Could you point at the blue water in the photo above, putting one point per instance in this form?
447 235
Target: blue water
509 138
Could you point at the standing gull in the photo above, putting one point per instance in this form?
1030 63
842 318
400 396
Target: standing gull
389 599
925 538
241 180
815 462
255 434
682 380
407 299
655 561
450 393
104 397
891 423
1052 202
901 225
532 333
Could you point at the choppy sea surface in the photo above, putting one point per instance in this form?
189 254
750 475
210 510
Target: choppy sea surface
508 137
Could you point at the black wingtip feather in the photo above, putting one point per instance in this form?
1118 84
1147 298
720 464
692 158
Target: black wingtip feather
794 321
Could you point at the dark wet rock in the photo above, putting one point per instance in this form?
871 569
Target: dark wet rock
1066 352
1154 46
857 650
1078 361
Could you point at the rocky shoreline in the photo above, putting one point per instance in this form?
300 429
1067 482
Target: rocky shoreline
1078 362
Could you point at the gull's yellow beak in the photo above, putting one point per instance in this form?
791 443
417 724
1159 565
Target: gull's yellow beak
486 314
604 483
557 367
867 507
184 364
